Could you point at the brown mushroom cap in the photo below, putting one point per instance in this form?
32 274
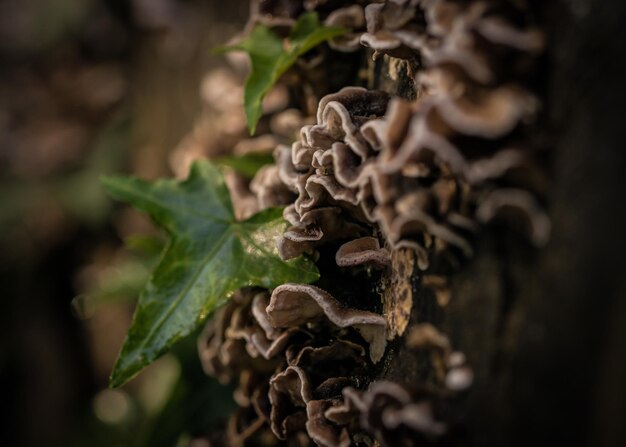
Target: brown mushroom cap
364 250
242 425
426 336
245 204
321 430
393 28
351 17
297 304
268 188
296 397
386 407
320 376
486 113
314 228
523 204
417 416
289 392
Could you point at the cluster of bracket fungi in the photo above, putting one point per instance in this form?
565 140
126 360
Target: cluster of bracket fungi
384 191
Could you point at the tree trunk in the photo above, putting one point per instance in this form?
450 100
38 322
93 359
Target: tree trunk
545 330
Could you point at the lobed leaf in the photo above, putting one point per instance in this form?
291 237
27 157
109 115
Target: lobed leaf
209 255
270 59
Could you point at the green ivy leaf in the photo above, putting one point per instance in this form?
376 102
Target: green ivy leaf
209 255
270 58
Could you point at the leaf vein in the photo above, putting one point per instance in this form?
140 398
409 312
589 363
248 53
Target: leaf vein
172 306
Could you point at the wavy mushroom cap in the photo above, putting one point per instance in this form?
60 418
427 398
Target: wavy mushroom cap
387 409
364 250
298 304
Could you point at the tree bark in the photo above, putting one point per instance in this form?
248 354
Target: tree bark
544 329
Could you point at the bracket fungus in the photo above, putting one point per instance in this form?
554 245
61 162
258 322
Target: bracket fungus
392 414
297 304
365 250
395 191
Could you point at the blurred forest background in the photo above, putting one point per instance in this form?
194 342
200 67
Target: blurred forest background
90 87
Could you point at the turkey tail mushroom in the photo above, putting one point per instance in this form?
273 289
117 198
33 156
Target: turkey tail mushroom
390 413
419 178
351 17
297 304
313 382
365 250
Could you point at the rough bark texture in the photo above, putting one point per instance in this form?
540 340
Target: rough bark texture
544 329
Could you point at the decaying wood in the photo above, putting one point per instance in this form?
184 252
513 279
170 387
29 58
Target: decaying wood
543 330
